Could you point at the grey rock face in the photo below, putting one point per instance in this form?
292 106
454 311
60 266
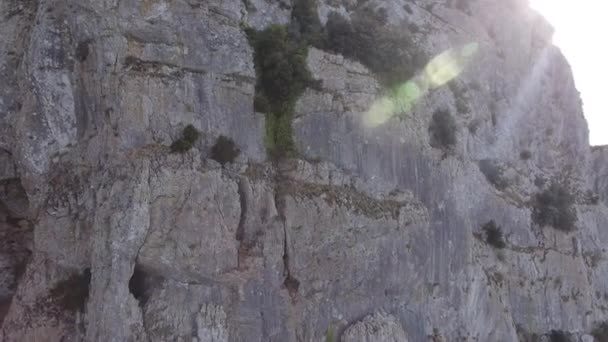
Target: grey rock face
375 232
377 327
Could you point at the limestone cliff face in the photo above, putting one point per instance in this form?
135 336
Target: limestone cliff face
371 232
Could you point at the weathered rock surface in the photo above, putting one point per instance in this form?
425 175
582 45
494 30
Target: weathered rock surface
378 327
599 171
374 233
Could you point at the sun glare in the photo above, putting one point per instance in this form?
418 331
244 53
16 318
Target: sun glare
580 30
439 71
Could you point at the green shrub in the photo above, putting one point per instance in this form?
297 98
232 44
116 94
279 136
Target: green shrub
591 198
224 150
494 235
387 52
555 207
189 136
340 36
494 174
280 64
442 130
305 24
249 6
462 106
279 137
282 73
526 336
329 335
473 126
600 332
72 294
261 104
82 50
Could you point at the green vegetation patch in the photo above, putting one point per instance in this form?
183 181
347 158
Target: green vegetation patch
305 23
494 235
189 136
388 52
282 75
329 335
494 173
600 332
224 150
280 54
555 207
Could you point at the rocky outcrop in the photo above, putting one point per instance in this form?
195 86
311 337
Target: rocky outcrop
460 203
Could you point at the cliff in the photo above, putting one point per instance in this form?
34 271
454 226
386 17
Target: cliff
286 170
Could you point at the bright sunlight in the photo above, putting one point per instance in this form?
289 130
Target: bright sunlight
580 31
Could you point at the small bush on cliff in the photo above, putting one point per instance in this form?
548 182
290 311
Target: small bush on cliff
494 235
526 336
600 332
189 136
591 198
282 75
494 173
555 207
525 155
280 65
305 24
443 130
224 150
329 335
388 52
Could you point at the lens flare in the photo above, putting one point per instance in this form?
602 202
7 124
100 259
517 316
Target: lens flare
440 70
380 112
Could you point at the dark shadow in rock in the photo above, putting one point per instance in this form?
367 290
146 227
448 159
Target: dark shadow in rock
142 283
72 293
16 238
5 304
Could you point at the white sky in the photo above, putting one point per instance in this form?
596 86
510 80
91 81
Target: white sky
581 31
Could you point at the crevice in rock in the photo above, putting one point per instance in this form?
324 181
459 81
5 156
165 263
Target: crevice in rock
240 232
158 69
346 196
290 282
531 250
142 283
14 198
137 285
5 304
